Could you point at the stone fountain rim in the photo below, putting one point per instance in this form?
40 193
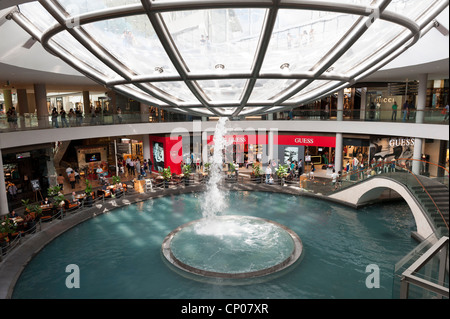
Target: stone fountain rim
293 257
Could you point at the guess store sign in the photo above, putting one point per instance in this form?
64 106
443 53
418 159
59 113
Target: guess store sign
322 141
241 139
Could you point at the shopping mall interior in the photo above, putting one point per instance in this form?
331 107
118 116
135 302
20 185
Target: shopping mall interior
134 117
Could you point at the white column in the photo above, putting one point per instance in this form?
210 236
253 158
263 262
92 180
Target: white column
270 152
362 115
340 105
146 146
86 103
420 115
421 98
338 152
145 113
4 210
40 95
416 165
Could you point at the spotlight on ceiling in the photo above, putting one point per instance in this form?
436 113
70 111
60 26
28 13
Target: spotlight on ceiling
285 66
159 69
219 67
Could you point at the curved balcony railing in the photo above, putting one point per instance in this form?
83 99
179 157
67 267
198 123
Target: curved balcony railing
31 121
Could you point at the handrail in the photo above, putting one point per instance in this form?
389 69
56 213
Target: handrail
383 164
30 121
437 207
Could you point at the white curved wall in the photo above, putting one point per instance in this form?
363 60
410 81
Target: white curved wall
433 46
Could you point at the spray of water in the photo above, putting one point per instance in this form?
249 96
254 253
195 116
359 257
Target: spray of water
214 200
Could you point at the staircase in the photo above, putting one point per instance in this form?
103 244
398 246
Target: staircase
439 194
59 153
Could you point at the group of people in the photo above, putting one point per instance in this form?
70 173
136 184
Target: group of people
135 166
75 117
73 177
12 117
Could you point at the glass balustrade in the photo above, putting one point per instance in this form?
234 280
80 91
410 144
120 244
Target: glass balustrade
31 121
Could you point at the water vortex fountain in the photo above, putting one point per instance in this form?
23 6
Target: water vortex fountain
229 247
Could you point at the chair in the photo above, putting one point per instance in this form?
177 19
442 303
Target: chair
148 185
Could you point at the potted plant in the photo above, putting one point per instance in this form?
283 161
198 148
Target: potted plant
88 191
6 229
57 196
206 169
186 169
116 180
256 172
231 169
167 175
282 172
31 208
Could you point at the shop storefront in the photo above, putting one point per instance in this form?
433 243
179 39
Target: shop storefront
21 166
166 151
387 149
243 150
319 150
356 148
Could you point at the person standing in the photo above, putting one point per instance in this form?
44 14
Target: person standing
79 116
268 173
405 110
63 117
72 179
60 181
446 113
150 164
334 178
300 168
394 111
55 118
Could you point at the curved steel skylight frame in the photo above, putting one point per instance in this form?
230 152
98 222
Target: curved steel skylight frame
93 57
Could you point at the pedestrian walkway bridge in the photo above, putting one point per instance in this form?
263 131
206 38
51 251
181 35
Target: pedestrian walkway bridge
427 198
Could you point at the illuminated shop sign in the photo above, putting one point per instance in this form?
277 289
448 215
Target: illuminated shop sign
322 141
402 141
385 100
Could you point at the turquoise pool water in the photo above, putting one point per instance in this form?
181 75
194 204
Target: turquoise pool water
119 253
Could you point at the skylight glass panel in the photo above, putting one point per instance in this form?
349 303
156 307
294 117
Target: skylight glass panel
133 41
269 89
313 86
413 9
37 15
177 90
373 41
223 90
68 43
207 38
76 7
301 38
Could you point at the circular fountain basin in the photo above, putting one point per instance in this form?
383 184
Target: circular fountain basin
232 247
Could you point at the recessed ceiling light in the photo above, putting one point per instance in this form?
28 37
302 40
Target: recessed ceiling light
284 66
219 67
159 69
